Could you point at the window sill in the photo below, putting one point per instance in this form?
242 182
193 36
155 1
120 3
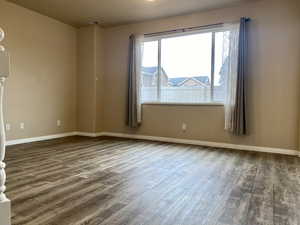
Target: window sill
184 104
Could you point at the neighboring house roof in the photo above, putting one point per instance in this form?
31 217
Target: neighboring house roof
178 81
181 80
152 70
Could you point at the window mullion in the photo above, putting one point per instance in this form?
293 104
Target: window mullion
213 51
159 72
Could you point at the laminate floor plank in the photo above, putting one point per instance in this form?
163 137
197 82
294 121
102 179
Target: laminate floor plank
112 181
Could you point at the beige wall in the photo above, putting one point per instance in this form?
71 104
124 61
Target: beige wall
80 77
56 74
86 87
42 85
100 79
273 79
89 79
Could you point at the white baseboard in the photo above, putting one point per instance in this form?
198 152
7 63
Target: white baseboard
41 138
49 137
204 143
86 134
163 139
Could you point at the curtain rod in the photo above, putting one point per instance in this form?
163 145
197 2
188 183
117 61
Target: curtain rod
181 30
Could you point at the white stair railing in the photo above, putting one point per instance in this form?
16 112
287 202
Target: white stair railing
2 144
4 73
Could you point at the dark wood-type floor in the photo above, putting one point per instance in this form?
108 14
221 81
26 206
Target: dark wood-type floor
125 182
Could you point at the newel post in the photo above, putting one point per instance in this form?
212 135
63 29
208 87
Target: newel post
4 73
2 144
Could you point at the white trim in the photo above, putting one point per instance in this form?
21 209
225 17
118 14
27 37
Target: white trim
185 32
85 134
49 137
205 143
185 104
163 139
41 138
5 212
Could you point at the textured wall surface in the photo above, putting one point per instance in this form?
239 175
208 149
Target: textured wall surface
41 88
273 79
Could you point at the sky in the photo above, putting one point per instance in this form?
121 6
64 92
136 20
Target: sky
186 56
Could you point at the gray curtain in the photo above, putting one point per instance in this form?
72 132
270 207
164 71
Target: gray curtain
239 117
133 97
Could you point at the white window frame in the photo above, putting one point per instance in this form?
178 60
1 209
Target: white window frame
186 33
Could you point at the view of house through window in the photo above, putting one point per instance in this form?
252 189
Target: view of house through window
188 71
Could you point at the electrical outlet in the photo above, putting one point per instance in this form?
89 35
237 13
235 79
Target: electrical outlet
184 127
58 123
22 126
7 126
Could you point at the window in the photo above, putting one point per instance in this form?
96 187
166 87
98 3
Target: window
185 67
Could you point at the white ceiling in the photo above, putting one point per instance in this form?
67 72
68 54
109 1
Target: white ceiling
115 12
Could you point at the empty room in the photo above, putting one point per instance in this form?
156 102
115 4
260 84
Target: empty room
150 112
